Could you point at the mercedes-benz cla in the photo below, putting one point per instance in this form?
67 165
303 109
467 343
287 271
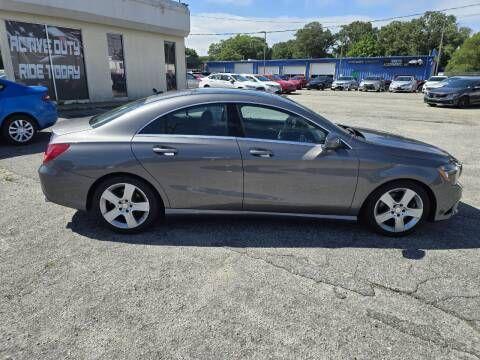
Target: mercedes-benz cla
234 151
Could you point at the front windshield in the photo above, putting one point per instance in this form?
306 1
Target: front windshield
372 78
251 78
437 78
345 78
460 82
403 78
262 78
276 77
239 78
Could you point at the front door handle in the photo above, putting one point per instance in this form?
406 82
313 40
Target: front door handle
263 153
165 150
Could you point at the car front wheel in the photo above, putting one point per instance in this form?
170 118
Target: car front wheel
397 209
19 130
125 204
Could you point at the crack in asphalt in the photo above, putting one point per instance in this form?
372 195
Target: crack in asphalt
422 332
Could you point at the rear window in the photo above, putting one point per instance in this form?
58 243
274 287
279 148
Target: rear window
105 118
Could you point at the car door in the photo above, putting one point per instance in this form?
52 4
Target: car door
192 81
475 93
228 81
194 157
286 168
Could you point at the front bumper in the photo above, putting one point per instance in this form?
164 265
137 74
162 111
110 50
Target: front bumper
440 101
448 199
340 86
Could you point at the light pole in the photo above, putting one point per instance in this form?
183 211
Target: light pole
440 47
264 50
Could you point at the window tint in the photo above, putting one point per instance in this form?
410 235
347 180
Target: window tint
198 120
270 124
225 78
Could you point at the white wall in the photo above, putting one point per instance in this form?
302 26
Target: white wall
144 55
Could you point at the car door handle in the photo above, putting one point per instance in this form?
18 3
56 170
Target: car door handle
165 150
264 153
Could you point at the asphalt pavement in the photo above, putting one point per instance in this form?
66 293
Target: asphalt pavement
244 287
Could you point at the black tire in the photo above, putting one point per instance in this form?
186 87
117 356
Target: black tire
463 102
206 86
156 205
10 121
368 210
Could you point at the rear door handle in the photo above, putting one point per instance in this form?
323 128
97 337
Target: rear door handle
165 150
263 153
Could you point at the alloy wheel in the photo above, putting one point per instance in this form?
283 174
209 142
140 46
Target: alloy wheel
398 210
124 206
21 131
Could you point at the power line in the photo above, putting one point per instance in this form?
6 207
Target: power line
327 27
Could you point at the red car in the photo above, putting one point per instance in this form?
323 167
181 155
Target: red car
299 80
287 86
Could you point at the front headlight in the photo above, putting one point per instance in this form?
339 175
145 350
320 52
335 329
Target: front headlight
450 172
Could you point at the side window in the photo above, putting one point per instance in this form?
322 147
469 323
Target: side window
271 124
225 78
190 77
207 120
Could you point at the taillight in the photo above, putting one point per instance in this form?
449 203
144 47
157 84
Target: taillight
53 151
46 97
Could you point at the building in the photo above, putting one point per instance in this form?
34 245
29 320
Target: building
95 50
387 67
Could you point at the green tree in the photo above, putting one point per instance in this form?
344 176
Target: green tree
351 34
313 41
284 50
365 47
467 57
193 60
239 47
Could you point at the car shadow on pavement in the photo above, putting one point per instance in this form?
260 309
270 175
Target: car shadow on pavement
38 145
460 232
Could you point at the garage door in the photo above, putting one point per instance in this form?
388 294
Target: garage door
294 70
322 69
269 70
243 68
216 69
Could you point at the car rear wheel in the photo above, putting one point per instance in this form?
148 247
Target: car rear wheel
463 102
126 204
397 209
19 129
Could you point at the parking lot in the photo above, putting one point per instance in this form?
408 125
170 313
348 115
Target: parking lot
198 287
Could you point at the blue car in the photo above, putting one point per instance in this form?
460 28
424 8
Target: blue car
24 110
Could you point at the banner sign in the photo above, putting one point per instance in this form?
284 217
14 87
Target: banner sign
402 62
49 56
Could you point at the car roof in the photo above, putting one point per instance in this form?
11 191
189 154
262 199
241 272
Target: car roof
466 77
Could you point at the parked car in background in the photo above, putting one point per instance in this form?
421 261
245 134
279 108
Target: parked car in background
269 86
231 151
403 83
345 83
286 85
320 82
372 83
460 91
192 81
24 110
299 80
228 80
433 82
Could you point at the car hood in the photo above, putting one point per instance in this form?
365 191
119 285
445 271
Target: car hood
434 84
371 82
71 126
400 142
342 81
446 90
401 83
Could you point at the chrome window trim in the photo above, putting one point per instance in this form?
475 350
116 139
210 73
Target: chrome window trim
138 133
145 136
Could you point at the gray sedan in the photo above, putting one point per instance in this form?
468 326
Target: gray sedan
231 151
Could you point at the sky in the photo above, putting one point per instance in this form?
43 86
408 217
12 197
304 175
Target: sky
219 16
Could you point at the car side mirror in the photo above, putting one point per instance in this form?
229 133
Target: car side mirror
333 142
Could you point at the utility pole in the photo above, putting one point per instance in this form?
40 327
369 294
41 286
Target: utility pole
440 47
264 51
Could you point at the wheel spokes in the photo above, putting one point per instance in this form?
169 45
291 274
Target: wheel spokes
130 219
414 213
387 200
143 206
110 197
128 192
399 224
112 215
407 197
381 218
